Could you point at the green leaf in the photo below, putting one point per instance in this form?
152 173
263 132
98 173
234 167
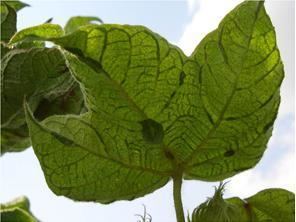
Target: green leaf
17 211
75 22
16 5
153 111
240 72
8 22
44 31
274 204
102 174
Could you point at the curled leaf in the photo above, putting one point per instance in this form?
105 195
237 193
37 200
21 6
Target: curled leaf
39 32
75 22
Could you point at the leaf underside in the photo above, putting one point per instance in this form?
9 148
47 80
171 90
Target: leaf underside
36 73
152 111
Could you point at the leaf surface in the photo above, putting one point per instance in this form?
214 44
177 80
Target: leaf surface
239 79
274 204
209 115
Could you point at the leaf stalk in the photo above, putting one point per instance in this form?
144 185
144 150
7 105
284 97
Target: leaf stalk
177 186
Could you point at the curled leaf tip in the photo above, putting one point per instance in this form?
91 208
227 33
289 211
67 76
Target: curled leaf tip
43 32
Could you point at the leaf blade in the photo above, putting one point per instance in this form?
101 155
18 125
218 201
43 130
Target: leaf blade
240 92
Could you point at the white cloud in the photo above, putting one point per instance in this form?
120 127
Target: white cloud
206 19
280 174
277 167
283 134
192 5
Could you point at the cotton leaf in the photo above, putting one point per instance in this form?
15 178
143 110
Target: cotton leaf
155 112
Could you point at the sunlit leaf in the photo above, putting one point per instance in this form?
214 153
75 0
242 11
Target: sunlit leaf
76 22
153 112
44 31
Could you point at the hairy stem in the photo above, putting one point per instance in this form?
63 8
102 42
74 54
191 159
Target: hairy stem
177 181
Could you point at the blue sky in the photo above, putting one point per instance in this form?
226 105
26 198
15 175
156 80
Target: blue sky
167 18
183 23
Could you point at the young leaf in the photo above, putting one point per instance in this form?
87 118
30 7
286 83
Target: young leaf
17 210
75 22
274 205
207 117
39 32
16 5
8 21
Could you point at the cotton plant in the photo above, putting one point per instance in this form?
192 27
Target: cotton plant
114 112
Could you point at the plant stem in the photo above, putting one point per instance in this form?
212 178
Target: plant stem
177 183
